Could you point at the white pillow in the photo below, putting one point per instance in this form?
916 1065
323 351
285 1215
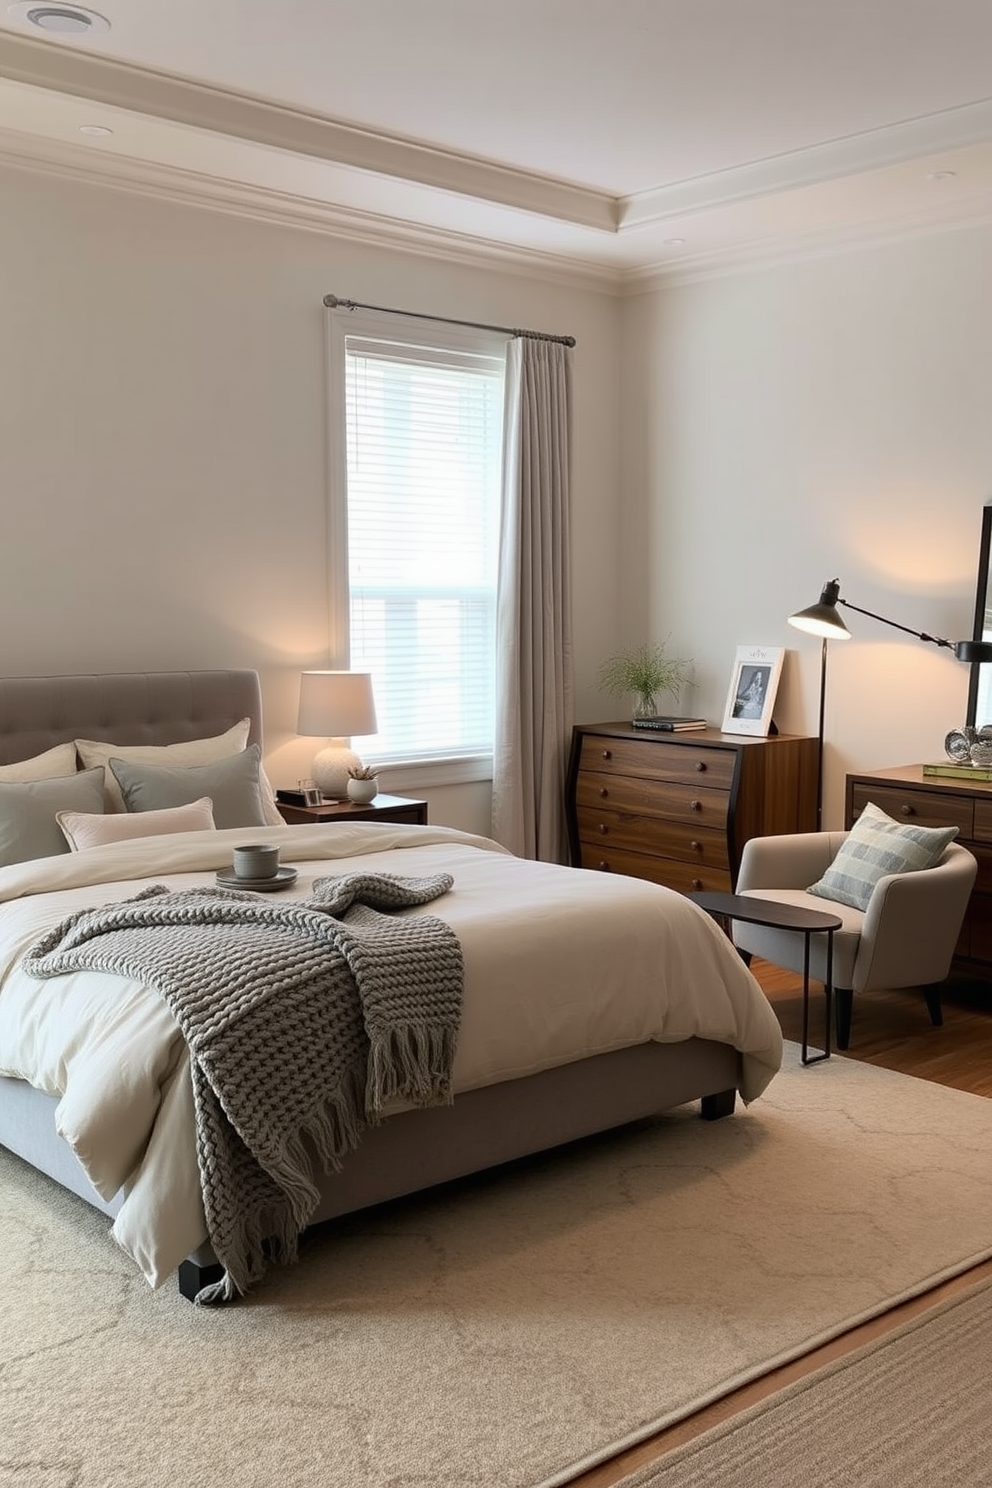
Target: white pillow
82 830
189 753
52 765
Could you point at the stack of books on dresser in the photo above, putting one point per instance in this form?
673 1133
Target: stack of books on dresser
667 725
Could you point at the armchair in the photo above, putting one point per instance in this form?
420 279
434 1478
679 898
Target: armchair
905 937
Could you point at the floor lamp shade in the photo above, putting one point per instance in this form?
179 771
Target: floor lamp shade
335 706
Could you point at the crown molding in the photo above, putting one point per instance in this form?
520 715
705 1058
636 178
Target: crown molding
161 95
262 204
931 135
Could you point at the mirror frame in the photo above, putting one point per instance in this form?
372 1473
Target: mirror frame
981 671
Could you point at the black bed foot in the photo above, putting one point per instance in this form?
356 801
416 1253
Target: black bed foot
714 1107
193 1277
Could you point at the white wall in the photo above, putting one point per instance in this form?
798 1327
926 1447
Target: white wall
162 459
816 420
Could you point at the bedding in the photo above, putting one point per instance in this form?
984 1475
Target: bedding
82 829
232 785
28 810
560 964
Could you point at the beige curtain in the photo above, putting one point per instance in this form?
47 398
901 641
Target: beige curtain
534 690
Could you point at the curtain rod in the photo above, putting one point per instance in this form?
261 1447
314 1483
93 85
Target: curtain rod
333 303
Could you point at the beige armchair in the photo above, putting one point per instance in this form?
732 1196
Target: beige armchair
905 938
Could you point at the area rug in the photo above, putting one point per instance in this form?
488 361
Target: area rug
505 1331
907 1411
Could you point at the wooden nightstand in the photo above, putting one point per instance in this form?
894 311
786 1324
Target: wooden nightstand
383 808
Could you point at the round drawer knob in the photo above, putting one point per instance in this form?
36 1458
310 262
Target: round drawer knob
603 867
697 883
907 810
696 846
607 753
700 765
603 791
695 805
603 828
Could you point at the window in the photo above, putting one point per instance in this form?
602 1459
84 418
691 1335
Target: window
415 515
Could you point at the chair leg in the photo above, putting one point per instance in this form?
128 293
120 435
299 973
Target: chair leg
844 1005
931 993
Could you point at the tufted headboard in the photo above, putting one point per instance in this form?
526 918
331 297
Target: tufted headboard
125 707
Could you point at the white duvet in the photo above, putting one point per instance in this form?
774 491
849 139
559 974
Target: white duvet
560 963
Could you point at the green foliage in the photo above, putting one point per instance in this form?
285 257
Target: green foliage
646 671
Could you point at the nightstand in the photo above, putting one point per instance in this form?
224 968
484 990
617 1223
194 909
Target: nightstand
383 808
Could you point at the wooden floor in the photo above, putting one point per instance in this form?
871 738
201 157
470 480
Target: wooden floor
891 1029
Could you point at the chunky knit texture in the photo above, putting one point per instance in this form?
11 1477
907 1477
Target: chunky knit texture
302 1021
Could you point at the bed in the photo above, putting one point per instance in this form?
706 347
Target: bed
590 1000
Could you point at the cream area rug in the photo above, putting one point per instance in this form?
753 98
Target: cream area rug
505 1331
907 1411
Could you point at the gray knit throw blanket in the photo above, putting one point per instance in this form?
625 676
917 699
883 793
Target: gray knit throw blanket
303 1020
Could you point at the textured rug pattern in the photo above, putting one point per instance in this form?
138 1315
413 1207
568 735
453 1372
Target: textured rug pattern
504 1332
907 1411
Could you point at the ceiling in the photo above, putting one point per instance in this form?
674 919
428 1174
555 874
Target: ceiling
611 140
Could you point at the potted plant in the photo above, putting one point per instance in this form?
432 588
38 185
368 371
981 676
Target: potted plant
644 672
363 784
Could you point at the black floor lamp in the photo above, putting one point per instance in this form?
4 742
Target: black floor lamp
823 620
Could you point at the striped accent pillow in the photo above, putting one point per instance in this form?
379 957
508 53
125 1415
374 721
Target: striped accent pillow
875 847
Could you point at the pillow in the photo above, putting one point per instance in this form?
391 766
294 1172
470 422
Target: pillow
876 846
81 830
189 752
94 752
28 809
59 761
231 784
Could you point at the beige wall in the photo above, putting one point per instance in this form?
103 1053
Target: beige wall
739 440
816 420
162 459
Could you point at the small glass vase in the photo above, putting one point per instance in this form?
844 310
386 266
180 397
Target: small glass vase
646 705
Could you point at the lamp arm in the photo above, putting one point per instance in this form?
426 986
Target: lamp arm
920 635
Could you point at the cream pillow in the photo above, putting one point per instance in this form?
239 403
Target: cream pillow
81 829
52 765
189 753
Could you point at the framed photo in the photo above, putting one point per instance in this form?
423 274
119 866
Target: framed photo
752 690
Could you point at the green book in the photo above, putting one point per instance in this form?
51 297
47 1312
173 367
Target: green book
959 772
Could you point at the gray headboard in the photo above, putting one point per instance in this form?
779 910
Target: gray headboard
124 707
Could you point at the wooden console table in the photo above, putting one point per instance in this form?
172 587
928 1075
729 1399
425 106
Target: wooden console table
678 808
906 794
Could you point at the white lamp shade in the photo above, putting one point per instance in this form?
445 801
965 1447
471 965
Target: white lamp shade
336 705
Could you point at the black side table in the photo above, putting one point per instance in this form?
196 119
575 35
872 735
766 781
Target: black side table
729 907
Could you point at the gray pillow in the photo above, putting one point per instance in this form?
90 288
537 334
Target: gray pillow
875 847
231 783
28 828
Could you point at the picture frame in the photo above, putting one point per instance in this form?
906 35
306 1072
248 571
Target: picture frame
753 686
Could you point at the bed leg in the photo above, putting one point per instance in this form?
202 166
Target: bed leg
714 1107
193 1277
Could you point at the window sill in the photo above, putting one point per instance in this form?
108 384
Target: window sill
414 775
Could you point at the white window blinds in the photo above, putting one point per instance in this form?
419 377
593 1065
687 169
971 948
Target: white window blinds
424 439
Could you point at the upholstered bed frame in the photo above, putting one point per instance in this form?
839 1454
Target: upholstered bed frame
412 1151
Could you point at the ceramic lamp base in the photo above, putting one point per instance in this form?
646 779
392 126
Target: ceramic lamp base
330 770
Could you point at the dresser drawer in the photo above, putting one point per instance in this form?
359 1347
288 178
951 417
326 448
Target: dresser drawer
983 821
925 808
669 839
665 798
653 759
684 878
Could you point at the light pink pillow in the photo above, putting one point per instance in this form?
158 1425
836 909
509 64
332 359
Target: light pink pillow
82 829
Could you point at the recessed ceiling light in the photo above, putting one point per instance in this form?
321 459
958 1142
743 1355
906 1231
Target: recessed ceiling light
941 175
64 20
95 129
674 242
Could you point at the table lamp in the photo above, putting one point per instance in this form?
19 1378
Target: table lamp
335 706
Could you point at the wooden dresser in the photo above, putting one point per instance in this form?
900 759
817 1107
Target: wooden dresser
678 808
906 794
